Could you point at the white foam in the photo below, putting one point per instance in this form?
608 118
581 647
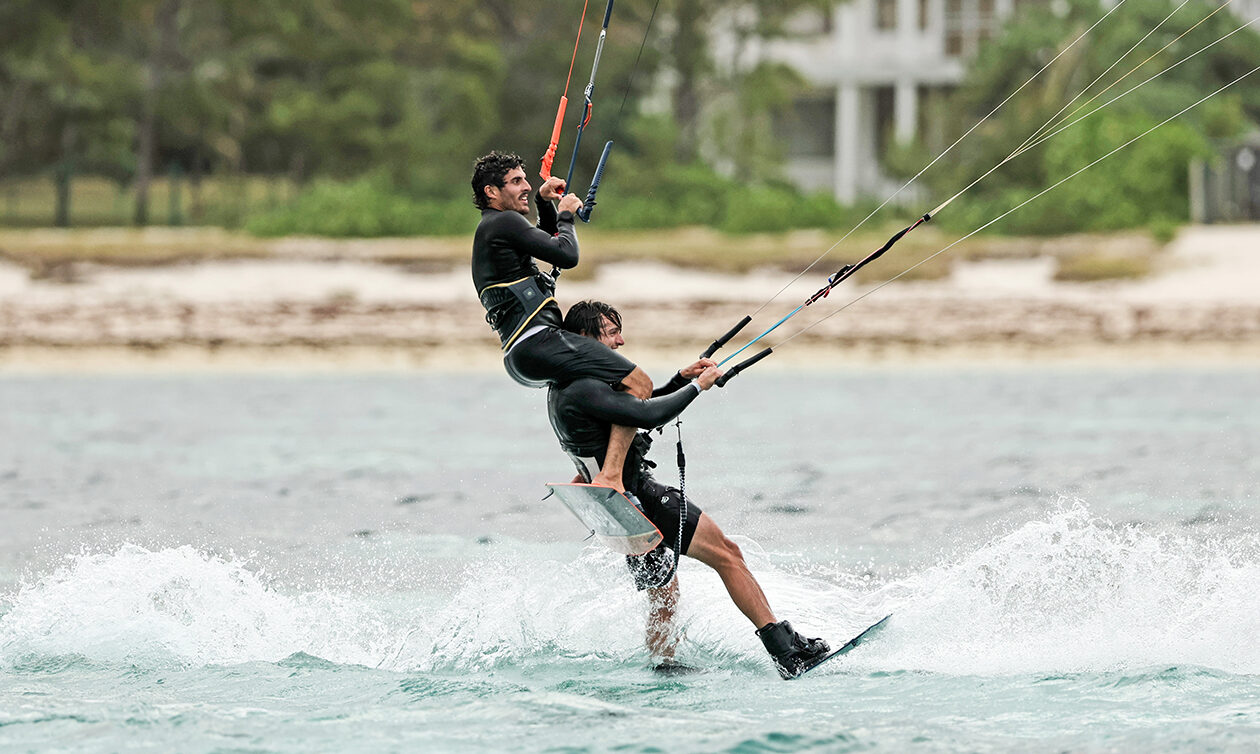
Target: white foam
1076 593
180 606
1066 593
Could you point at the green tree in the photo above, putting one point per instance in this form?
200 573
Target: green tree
160 52
393 96
1141 184
66 86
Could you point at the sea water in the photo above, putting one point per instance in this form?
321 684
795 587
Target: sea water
204 563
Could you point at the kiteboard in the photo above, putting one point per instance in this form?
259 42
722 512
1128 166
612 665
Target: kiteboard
610 516
850 645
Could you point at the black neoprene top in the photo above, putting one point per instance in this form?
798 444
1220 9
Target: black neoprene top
504 248
582 414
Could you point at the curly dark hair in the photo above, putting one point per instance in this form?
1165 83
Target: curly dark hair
587 318
489 170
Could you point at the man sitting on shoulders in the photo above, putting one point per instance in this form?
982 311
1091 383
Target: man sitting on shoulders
520 300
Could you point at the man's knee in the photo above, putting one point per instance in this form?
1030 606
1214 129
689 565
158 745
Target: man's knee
725 554
638 384
731 554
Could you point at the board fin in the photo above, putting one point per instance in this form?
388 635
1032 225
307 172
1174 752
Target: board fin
672 668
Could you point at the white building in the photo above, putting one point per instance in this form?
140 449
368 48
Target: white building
878 68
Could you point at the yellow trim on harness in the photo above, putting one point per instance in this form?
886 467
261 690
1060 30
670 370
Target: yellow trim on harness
525 323
502 285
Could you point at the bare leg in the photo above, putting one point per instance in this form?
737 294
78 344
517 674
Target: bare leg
660 638
619 438
711 547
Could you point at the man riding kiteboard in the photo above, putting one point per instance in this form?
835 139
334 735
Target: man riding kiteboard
582 413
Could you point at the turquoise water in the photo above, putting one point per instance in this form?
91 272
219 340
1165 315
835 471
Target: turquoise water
362 563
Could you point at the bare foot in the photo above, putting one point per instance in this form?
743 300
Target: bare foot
609 481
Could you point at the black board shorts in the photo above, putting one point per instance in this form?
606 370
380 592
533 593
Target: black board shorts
661 505
559 356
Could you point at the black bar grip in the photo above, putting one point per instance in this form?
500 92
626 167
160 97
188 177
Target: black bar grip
721 381
712 349
589 205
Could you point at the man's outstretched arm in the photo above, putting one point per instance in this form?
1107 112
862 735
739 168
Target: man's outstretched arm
616 407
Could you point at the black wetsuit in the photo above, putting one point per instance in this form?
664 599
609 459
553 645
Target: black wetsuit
582 414
519 299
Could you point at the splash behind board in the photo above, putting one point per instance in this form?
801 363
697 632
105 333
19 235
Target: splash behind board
614 520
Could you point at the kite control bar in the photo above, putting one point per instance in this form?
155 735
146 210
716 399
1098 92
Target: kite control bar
589 205
741 366
715 345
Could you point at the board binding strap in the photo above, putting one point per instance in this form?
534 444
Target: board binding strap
615 521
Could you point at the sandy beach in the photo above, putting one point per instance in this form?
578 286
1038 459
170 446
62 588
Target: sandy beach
294 311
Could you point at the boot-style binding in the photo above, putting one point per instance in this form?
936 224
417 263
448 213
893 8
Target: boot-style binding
793 654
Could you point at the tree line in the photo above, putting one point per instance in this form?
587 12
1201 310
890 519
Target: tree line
376 108
405 90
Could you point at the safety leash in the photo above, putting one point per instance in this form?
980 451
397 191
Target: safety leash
682 509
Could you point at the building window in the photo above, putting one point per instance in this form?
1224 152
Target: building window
885 116
885 15
968 25
925 13
985 12
953 28
809 129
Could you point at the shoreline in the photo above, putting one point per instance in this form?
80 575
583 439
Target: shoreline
480 359
1201 306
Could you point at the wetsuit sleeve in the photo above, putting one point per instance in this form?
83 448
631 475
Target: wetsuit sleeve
602 402
560 250
546 214
676 383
